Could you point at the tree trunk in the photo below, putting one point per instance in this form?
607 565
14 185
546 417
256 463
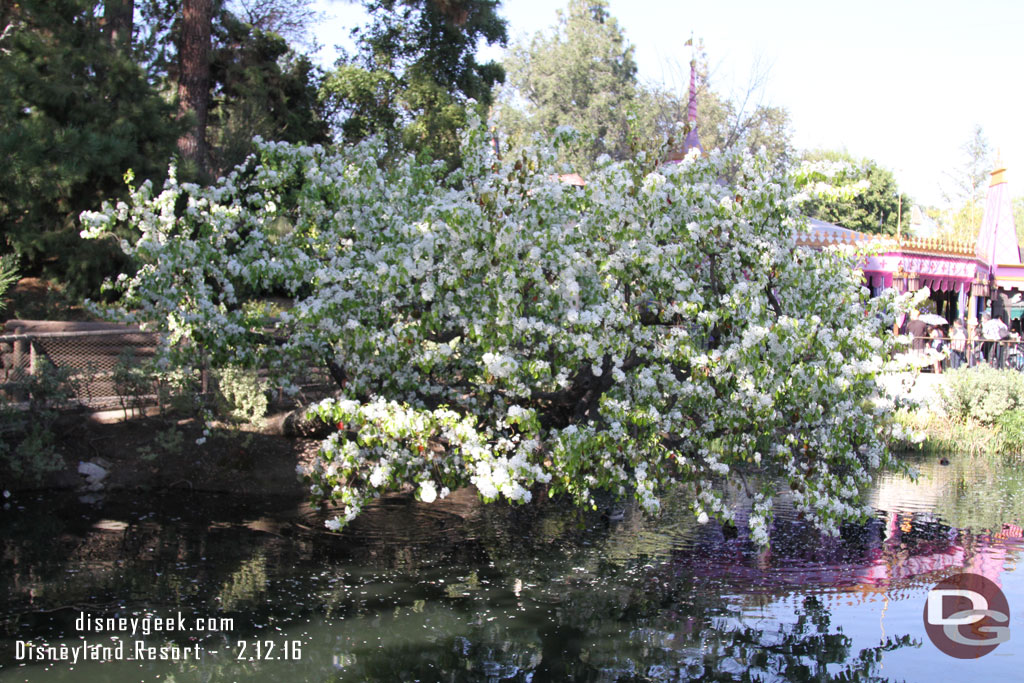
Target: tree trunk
194 79
118 20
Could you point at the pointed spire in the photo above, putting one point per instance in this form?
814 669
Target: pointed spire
999 172
997 240
692 139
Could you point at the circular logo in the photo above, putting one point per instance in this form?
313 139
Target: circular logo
967 616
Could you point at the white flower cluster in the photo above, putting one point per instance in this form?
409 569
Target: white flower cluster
657 326
499 365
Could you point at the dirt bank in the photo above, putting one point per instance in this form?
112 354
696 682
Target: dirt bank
158 453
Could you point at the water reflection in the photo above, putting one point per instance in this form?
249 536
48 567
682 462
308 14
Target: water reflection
465 592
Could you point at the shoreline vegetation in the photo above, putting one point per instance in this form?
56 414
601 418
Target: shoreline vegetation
970 411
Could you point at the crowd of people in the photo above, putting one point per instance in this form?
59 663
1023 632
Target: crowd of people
937 345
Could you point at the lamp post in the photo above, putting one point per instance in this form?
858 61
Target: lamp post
899 216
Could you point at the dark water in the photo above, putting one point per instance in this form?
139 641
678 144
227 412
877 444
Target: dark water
465 592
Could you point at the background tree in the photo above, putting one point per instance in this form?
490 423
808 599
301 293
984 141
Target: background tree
260 87
75 113
722 121
118 21
414 72
965 192
257 83
88 93
583 74
290 19
874 209
194 80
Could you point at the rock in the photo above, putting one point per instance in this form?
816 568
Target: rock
94 475
295 424
92 471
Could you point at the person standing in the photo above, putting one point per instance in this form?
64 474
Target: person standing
957 344
938 348
973 335
994 331
918 331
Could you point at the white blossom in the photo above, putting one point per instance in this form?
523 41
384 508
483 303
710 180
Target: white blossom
462 312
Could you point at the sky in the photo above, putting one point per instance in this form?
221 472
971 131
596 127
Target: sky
902 82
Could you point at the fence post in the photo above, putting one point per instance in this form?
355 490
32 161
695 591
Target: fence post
19 351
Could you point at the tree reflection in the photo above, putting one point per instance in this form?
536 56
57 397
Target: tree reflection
708 644
470 593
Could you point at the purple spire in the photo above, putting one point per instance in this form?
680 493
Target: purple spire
692 140
692 110
997 239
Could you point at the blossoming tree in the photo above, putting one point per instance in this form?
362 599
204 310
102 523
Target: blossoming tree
498 328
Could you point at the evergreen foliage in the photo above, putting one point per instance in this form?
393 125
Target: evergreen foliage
8 276
78 109
415 73
874 209
583 74
262 88
74 114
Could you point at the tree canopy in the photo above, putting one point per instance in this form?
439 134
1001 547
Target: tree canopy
75 114
583 74
414 73
88 94
658 326
874 207
966 190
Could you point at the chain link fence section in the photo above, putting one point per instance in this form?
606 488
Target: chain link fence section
90 351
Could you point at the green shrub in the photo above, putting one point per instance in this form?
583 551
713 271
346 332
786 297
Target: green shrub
168 441
178 392
35 455
132 381
50 387
242 395
8 276
28 445
981 394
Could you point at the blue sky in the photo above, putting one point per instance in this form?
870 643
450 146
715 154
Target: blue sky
903 82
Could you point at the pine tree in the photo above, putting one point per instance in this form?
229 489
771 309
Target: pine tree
194 80
75 114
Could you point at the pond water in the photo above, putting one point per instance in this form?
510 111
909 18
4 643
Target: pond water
466 592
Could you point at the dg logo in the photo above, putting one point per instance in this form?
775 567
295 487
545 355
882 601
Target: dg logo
967 616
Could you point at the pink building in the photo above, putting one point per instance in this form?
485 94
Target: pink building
962 276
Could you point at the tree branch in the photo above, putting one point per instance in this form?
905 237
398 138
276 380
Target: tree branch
773 301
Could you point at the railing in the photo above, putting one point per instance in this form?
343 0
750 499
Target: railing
89 357
1003 354
931 245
